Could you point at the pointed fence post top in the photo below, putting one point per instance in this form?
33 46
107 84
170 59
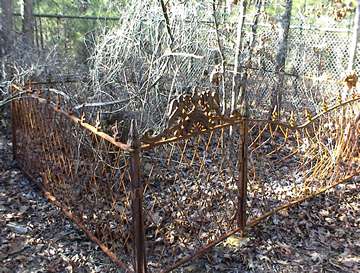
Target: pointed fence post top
244 109
133 138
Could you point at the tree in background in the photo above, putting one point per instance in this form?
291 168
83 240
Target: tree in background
284 27
28 22
6 27
355 37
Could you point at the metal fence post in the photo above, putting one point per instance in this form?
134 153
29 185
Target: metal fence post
243 173
137 201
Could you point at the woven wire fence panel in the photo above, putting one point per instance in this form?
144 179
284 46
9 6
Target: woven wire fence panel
191 194
316 62
259 90
316 51
287 164
320 57
357 59
310 51
87 176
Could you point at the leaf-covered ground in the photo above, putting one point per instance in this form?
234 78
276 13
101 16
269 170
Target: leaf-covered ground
321 235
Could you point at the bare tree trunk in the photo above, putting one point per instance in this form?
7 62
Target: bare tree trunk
277 92
244 77
6 27
220 61
238 48
355 37
244 126
28 22
166 16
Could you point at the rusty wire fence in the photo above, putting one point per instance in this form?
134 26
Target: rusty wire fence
82 172
290 161
191 196
157 202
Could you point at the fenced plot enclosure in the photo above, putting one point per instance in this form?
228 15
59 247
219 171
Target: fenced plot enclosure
158 200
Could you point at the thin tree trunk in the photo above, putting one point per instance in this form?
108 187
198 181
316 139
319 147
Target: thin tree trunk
238 48
6 24
28 22
242 94
244 125
277 92
355 37
220 60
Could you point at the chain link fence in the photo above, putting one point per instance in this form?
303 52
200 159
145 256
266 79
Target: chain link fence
316 62
317 58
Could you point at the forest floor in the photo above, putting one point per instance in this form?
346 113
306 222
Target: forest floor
320 235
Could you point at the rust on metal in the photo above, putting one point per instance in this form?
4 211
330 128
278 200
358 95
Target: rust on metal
77 165
190 115
78 222
189 187
243 174
79 120
137 201
253 223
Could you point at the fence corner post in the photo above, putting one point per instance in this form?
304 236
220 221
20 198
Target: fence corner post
243 173
137 189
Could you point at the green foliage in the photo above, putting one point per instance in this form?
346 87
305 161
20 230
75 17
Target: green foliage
78 7
70 35
318 13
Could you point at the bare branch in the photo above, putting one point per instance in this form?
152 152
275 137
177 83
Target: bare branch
167 20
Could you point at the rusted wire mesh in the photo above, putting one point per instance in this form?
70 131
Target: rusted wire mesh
288 163
84 173
189 196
